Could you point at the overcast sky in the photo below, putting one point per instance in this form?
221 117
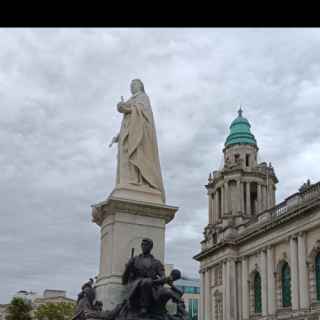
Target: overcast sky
58 94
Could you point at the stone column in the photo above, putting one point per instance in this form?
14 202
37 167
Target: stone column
222 200
264 288
233 289
210 207
202 296
239 197
230 302
242 209
216 204
259 198
245 289
227 285
226 197
265 200
214 212
224 295
273 195
303 273
271 281
207 300
294 273
248 202
269 194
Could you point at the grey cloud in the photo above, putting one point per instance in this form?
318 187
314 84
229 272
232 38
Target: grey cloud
58 91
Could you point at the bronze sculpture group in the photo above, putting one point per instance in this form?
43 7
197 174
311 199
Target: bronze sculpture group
147 292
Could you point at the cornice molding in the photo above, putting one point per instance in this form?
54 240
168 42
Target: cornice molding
118 205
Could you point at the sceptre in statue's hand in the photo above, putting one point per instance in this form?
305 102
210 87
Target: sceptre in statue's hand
115 139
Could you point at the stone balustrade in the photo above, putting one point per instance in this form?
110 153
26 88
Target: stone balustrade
294 200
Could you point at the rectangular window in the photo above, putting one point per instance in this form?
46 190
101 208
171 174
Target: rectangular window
247 160
194 309
190 309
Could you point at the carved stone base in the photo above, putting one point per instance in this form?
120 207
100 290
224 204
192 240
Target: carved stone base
137 193
123 224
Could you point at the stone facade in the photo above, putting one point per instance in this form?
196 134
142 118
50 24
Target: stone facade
258 260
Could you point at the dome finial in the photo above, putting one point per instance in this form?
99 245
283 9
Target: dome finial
240 111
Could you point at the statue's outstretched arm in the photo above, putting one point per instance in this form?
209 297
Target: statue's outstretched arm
123 107
115 139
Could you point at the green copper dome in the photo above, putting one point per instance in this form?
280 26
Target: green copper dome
240 132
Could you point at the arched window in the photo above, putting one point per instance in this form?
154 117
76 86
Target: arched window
286 285
317 269
257 293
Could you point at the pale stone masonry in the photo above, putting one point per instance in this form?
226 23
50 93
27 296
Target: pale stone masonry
254 242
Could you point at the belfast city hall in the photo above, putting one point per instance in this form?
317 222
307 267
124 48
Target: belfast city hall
259 259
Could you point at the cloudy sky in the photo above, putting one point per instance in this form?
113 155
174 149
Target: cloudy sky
58 92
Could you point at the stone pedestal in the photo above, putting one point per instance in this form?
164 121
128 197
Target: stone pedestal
124 222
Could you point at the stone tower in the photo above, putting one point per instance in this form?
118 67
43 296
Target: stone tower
242 188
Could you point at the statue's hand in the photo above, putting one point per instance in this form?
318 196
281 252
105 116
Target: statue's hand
120 105
114 140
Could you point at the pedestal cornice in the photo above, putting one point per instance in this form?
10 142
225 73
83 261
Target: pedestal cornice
114 204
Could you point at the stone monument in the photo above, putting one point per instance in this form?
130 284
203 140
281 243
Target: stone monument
136 208
147 292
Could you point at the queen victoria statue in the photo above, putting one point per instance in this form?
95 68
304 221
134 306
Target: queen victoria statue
135 210
138 165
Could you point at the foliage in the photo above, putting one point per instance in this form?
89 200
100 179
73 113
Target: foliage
19 309
55 311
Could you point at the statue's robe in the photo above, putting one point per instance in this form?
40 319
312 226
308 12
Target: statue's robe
138 156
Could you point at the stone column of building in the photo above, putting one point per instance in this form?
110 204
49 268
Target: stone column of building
210 207
233 289
264 299
239 196
294 273
248 202
303 273
242 209
245 289
259 198
208 297
269 195
273 196
230 290
202 296
227 288
265 198
271 281
262 197
224 296
222 200
216 204
214 212
226 197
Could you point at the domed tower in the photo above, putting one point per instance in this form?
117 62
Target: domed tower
244 187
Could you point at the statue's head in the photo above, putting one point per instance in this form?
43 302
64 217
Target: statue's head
175 274
136 86
146 245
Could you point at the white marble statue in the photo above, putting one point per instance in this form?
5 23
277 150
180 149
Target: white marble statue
138 157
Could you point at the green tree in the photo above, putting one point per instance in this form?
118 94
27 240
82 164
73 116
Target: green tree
19 309
55 311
